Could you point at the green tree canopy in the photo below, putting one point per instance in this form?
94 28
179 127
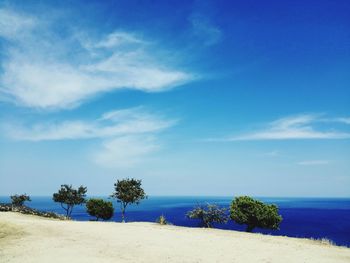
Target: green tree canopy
68 197
100 208
18 200
128 191
208 215
253 213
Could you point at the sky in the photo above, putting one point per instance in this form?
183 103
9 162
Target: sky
216 98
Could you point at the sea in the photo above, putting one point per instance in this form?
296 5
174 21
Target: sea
302 217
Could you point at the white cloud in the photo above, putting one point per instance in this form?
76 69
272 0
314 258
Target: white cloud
110 125
314 162
292 128
43 69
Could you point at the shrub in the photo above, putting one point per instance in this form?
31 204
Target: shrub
208 215
324 241
100 209
68 197
128 191
18 200
162 220
253 213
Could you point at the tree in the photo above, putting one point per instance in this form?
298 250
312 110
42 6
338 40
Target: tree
208 215
100 208
253 213
18 200
128 191
68 197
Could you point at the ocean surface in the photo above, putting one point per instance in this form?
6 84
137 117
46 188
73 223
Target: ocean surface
302 217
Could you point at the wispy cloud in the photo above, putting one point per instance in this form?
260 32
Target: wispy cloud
45 69
293 128
14 25
345 120
314 162
272 153
124 152
116 39
126 136
205 30
111 124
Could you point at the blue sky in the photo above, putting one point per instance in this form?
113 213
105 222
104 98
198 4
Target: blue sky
192 97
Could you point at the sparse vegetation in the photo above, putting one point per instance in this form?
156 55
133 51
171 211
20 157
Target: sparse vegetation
324 241
208 215
18 200
29 211
128 191
253 213
100 209
162 220
68 197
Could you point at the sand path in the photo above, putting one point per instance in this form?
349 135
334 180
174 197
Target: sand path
25 238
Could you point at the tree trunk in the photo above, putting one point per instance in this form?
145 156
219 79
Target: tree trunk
207 224
122 207
66 209
249 228
69 211
123 214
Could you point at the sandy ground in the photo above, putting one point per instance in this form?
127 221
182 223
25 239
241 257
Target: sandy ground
25 238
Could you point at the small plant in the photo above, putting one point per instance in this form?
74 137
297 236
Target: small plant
253 213
208 215
162 220
100 209
324 241
18 200
128 191
68 197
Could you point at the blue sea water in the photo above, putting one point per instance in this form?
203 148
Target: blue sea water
302 217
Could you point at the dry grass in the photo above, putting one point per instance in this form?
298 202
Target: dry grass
162 220
324 241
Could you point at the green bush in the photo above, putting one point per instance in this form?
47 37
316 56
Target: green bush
18 200
208 215
253 213
100 208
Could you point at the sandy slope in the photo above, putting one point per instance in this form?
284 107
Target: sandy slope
26 238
